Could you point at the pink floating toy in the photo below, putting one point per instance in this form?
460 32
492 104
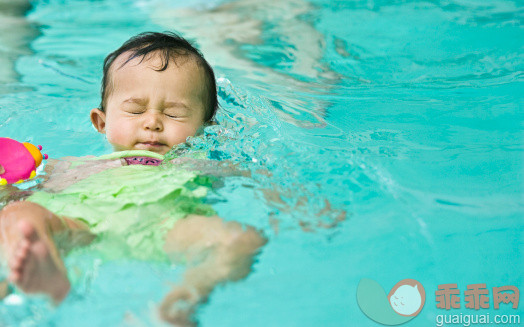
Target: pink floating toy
18 161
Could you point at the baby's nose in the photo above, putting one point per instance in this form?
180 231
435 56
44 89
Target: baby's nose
153 121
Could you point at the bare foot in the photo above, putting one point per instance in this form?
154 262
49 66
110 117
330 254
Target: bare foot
179 306
34 268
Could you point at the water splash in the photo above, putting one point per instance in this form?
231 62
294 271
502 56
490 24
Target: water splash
308 184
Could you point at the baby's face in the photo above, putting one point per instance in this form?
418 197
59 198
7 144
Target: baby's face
152 110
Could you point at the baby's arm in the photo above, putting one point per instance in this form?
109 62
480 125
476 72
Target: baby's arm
223 168
328 217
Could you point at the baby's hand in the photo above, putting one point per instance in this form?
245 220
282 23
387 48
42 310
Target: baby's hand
2 170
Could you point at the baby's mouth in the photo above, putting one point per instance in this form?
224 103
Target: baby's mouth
152 144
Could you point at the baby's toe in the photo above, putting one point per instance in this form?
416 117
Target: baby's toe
22 248
26 228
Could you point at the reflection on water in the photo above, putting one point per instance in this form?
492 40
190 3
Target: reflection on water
272 46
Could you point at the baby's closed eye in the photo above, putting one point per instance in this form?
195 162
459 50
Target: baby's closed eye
134 109
175 113
135 112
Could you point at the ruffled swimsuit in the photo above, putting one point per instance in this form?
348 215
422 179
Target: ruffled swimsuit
131 207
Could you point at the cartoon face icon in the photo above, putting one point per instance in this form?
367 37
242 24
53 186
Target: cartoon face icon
407 297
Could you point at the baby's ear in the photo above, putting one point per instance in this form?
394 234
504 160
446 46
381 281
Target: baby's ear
98 118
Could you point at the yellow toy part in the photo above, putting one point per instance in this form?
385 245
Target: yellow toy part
35 152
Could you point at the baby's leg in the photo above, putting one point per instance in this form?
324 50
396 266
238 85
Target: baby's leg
215 252
26 240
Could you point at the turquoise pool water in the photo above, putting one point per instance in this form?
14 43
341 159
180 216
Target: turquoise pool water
406 116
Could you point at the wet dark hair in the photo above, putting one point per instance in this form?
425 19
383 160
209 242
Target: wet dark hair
170 46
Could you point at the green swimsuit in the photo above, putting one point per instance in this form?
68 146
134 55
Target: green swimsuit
131 208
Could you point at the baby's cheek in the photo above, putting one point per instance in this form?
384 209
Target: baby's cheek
118 136
183 133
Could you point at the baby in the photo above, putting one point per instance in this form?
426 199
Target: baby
157 90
